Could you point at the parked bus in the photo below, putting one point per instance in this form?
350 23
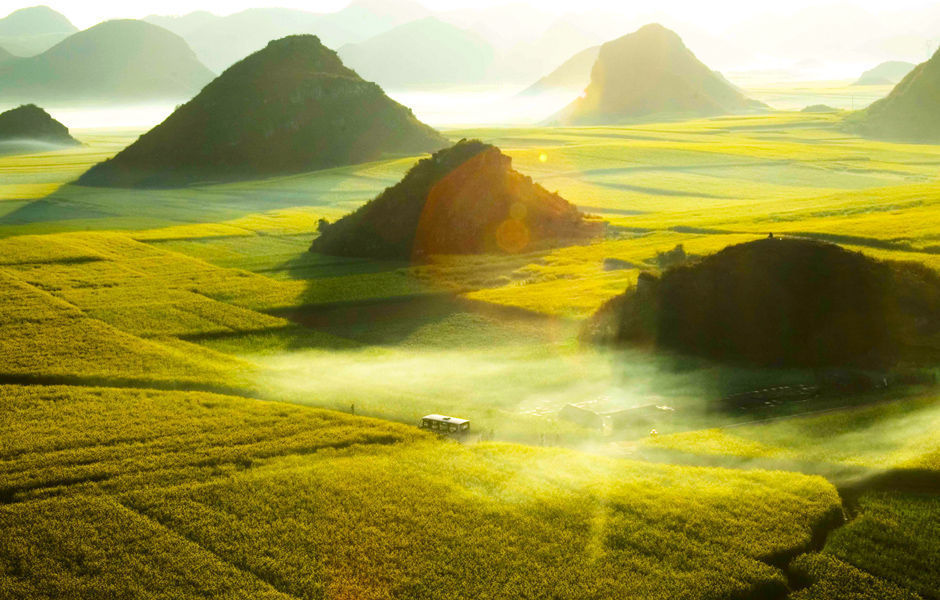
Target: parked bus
445 425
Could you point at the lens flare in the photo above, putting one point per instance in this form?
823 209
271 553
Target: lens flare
512 235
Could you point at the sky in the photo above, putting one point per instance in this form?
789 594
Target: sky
715 13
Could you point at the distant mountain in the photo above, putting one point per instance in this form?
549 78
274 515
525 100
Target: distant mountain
819 108
183 25
562 40
219 42
911 112
651 74
573 75
30 123
5 56
37 20
29 31
887 73
115 61
364 19
423 52
289 108
466 199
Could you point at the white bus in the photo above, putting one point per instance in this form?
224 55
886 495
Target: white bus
447 425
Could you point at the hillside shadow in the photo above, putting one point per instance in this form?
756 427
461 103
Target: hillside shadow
342 188
49 209
311 266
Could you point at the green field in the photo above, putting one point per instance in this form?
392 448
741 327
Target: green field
173 361
205 495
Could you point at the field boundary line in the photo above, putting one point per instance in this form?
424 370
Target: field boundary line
194 542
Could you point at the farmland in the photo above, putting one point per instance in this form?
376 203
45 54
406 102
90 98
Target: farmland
173 362
280 499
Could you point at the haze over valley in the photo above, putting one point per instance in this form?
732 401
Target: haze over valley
453 299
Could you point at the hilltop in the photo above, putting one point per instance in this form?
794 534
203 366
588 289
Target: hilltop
572 75
289 108
31 123
35 20
115 61
427 51
909 113
782 302
466 199
29 31
819 108
650 73
887 73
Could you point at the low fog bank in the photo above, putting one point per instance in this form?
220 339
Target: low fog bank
519 392
138 116
481 105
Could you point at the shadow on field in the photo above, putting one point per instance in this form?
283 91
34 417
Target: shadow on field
310 266
434 320
49 209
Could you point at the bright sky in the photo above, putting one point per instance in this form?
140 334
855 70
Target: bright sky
85 13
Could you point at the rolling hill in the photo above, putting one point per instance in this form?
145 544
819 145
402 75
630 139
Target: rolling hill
887 73
910 112
289 108
115 61
651 74
29 31
31 123
423 52
466 199
783 303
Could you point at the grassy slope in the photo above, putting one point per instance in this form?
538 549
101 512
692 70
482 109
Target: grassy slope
165 493
703 184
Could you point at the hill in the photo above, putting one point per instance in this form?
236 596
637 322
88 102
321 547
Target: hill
112 493
544 52
364 19
220 41
31 123
115 61
466 199
782 302
36 20
909 113
651 74
423 52
819 108
573 75
289 108
183 25
29 31
887 73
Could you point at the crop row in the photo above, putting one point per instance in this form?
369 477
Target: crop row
57 440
